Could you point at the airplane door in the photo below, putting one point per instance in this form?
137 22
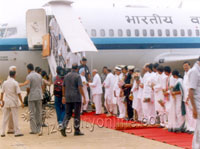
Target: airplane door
36 27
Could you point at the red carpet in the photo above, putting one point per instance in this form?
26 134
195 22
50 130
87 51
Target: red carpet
183 140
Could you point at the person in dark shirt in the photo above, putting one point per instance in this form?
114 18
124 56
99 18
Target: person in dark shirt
72 91
87 71
127 89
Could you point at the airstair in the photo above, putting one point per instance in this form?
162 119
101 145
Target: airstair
38 36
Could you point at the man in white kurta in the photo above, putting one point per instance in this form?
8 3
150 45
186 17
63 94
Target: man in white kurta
148 98
109 83
137 92
118 93
194 94
190 121
73 58
96 89
85 85
10 101
158 94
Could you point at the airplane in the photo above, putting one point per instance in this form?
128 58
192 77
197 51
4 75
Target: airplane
128 36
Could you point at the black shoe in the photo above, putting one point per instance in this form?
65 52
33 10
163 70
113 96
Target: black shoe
32 133
3 135
19 135
44 125
63 132
78 133
10 132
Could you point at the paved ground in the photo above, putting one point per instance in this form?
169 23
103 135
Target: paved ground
98 139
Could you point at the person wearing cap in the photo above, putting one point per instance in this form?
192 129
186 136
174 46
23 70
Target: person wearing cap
194 95
118 92
59 106
85 85
96 89
109 92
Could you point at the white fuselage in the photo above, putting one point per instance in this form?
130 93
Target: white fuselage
129 36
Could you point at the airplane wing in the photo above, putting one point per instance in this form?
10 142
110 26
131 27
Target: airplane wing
175 57
73 31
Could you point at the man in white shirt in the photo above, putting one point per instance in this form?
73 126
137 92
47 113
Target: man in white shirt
10 102
190 121
194 94
73 58
148 100
118 93
109 92
96 89
158 94
10 122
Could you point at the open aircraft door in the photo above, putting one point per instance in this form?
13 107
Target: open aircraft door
36 27
71 27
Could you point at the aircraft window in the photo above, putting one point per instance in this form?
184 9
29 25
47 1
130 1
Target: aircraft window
2 32
159 32
11 31
102 32
189 32
182 32
175 32
197 32
128 32
144 31
167 32
111 32
120 32
137 33
93 33
152 32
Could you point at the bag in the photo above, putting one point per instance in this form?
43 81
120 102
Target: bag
46 97
26 101
58 86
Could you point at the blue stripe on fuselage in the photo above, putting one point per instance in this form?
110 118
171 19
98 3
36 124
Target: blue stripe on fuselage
20 44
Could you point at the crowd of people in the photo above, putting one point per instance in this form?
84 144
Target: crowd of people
157 95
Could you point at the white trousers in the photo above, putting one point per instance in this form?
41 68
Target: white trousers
84 107
149 111
122 108
190 121
196 137
98 103
6 116
110 106
10 124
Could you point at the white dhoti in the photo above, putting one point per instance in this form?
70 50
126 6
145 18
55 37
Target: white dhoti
122 108
110 106
6 115
190 121
98 103
196 137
